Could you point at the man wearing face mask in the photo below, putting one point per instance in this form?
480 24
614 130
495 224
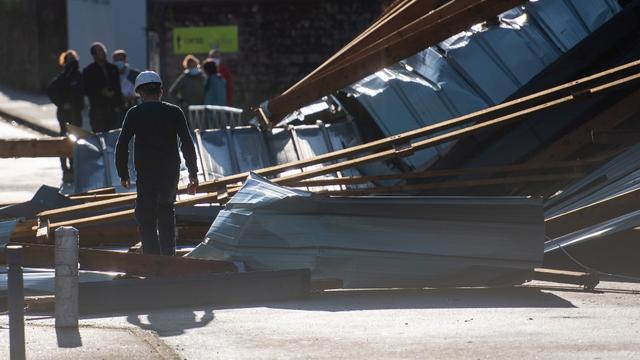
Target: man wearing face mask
224 71
101 81
65 91
188 89
127 79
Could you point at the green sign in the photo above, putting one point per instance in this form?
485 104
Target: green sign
202 39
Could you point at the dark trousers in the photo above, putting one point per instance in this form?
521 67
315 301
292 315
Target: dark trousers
73 117
103 118
155 212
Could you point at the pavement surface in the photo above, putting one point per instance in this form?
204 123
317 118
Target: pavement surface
538 321
21 177
29 109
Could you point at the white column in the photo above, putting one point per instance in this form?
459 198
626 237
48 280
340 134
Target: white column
66 266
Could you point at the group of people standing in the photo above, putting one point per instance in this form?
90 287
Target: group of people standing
110 88
209 83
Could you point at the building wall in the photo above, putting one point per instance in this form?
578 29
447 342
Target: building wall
116 23
32 34
279 41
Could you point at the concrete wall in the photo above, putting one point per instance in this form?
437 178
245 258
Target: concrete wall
279 41
32 34
116 23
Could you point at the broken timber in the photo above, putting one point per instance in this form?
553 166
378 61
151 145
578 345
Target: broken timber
42 256
406 150
45 147
588 280
429 29
519 107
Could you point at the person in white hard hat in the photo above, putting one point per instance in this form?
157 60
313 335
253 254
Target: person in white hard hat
157 125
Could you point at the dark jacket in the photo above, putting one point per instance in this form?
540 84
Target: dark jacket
66 89
96 78
156 126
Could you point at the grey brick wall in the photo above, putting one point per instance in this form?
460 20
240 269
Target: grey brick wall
279 41
32 34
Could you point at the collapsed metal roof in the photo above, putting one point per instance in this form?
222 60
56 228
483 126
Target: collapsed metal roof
477 68
379 241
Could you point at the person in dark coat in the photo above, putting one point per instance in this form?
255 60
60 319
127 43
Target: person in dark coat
65 91
101 81
157 126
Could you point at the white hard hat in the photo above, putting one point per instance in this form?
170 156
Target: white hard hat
147 77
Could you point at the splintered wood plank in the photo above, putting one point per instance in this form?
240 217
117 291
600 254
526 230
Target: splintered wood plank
42 256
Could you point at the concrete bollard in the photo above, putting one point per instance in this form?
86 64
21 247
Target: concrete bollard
16 302
66 266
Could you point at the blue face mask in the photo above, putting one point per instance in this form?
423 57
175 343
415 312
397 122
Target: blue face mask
119 64
194 71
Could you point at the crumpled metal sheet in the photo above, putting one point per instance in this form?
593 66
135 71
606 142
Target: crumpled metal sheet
204 117
46 198
619 175
224 152
6 230
477 68
233 150
94 162
595 232
379 241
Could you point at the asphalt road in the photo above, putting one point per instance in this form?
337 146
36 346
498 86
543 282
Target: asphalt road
21 177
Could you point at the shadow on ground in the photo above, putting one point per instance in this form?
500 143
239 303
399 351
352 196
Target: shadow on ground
376 299
173 322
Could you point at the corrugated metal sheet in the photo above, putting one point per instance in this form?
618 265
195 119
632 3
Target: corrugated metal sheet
617 176
598 231
379 241
232 150
223 152
6 229
477 68
94 162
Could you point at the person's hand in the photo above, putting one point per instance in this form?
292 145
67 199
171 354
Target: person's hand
125 183
192 188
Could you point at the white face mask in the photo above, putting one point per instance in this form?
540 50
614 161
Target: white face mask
217 61
194 71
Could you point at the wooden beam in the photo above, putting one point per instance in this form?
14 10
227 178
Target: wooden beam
42 256
411 148
44 147
45 228
592 214
99 197
404 12
447 20
519 105
406 150
588 280
455 184
573 87
608 118
349 180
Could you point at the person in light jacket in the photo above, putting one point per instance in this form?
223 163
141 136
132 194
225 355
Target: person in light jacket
188 89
